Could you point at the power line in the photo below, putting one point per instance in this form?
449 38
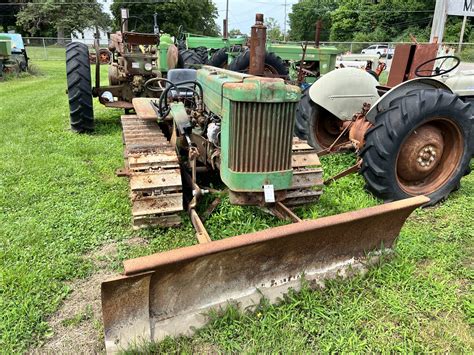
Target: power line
151 2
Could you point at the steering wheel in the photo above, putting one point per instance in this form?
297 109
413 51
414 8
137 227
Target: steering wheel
156 84
163 106
429 73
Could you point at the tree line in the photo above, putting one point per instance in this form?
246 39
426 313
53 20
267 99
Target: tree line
371 21
59 18
342 20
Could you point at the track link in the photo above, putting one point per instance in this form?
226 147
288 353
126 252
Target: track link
307 175
155 179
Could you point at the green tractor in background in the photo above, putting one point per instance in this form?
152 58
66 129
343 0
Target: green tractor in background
291 61
13 58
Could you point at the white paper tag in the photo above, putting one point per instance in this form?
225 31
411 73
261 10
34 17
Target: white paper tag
269 193
135 65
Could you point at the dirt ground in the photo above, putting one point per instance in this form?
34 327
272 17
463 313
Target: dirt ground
77 325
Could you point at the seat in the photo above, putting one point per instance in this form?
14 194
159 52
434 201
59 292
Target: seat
179 75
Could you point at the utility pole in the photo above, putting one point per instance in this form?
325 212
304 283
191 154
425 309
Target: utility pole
461 37
284 25
439 21
227 14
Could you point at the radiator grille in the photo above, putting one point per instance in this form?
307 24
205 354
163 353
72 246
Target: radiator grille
261 136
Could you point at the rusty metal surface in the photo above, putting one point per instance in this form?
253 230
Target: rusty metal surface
283 212
353 169
423 52
258 38
119 104
167 179
172 57
359 127
157 204
153 167
143 108
201 232
429 156
405 60
307 180
328 129
259 139
400 64
169 293
136 38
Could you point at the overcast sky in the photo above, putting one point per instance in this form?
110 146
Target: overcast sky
242 12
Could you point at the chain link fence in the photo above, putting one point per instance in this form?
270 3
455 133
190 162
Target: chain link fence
47 48
43 48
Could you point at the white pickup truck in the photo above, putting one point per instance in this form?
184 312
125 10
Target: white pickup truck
382 50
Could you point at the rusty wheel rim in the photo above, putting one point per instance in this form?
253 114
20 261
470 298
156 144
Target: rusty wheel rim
104 58
270 71
327 129
429 156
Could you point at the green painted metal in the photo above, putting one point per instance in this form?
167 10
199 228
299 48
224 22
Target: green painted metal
213 42
223 87
326 56
5 48
165 42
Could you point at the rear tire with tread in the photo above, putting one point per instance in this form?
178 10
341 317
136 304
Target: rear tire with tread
393 126
242 62
307 115
188 59
79 87
202 54
220 57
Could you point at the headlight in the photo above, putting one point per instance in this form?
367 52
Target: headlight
148 66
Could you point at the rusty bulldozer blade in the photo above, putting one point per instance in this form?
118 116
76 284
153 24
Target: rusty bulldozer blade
170 293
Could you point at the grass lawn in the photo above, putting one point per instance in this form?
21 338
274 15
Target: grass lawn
60 202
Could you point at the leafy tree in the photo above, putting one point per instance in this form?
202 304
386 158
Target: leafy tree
8 13
362 20
64 16
274 32
235 32
304 15
196 16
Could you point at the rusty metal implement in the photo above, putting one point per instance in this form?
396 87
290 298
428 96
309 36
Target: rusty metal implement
170 293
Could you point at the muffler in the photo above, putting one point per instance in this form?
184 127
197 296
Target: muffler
169 293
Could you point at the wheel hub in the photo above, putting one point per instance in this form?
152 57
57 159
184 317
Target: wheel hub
421 153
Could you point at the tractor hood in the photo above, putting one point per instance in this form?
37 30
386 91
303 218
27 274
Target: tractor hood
344 91
462 83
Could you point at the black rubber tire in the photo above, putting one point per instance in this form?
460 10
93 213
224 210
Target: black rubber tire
219 58
202 54
188 59
307 114
394 125
241 63
79 87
